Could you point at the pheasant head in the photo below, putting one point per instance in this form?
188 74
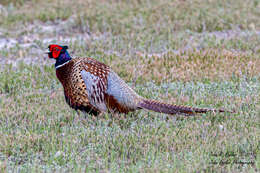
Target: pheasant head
60 54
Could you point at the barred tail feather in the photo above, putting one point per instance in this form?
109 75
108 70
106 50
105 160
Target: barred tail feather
172 109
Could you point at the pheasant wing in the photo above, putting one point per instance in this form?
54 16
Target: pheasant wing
94 75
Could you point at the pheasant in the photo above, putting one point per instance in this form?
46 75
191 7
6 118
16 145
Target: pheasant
94 87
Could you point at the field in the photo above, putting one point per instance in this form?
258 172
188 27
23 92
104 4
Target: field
201 53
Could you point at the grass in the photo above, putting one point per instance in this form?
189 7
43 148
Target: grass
194 53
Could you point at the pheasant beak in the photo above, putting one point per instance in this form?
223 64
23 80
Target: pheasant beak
49 54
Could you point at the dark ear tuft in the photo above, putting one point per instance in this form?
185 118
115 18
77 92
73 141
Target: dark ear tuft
65 47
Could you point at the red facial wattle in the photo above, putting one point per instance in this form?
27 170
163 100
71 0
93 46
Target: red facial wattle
55 51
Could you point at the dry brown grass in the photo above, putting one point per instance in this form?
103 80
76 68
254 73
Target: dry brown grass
212 64
135 16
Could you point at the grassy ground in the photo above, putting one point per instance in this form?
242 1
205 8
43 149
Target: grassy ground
196 53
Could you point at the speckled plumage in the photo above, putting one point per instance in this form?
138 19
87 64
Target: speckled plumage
74 86
92 85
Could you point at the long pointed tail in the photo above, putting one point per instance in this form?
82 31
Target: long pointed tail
173 109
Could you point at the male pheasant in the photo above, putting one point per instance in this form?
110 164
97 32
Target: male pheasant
94 87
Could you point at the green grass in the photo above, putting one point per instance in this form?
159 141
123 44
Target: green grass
192 53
